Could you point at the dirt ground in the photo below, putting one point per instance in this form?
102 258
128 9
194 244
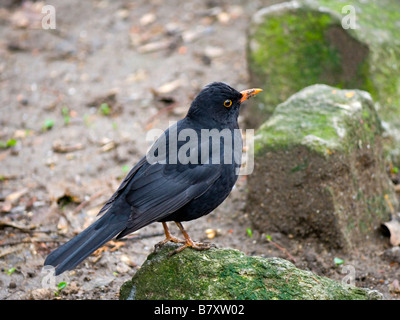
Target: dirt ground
76 104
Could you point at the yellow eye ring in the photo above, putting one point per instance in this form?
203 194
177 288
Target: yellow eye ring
228 103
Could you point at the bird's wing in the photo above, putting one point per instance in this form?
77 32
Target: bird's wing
139 167
123 185
162 189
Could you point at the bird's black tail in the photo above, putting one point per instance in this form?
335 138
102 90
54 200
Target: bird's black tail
70 254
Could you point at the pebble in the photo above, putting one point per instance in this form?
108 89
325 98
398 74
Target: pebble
98 282
41 294
122 268
392 254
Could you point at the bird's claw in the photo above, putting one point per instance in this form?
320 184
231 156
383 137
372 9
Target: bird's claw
158 245
194 245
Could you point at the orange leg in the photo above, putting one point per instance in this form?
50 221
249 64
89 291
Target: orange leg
189 242
168 237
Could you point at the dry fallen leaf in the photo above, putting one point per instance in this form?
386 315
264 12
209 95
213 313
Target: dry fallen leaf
11 199
108 146
213 51
394 229
62 225
154 46
58 146
212 233
116 245
127 260
169 86
147 19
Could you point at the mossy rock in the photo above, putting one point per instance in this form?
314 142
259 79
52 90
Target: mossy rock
299 43
319 171
230 274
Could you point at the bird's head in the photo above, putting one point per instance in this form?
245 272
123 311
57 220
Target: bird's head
219 102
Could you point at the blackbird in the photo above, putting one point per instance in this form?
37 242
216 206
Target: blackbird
186 174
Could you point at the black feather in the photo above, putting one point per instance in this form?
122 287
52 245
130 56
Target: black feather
70 254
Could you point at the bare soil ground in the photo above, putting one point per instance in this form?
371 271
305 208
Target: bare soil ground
76 104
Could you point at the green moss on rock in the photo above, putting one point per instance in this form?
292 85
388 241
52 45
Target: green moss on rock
322 118
299 43
284 56
230 274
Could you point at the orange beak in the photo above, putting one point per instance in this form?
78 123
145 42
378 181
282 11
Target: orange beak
246 94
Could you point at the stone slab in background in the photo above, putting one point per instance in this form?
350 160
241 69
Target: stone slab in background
230 274
319 171
299 43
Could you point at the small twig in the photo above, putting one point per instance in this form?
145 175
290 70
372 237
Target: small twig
16 226
143 236
150 121
86 202
289 275
283 250
4 177
13 243
7 252
389 203
60 148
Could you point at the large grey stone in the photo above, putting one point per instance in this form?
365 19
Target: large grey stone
319 170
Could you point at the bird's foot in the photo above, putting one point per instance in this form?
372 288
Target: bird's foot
200 246
166 240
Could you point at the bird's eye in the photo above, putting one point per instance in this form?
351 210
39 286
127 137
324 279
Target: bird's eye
228 103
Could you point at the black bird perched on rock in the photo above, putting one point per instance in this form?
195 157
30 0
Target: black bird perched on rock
186 174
